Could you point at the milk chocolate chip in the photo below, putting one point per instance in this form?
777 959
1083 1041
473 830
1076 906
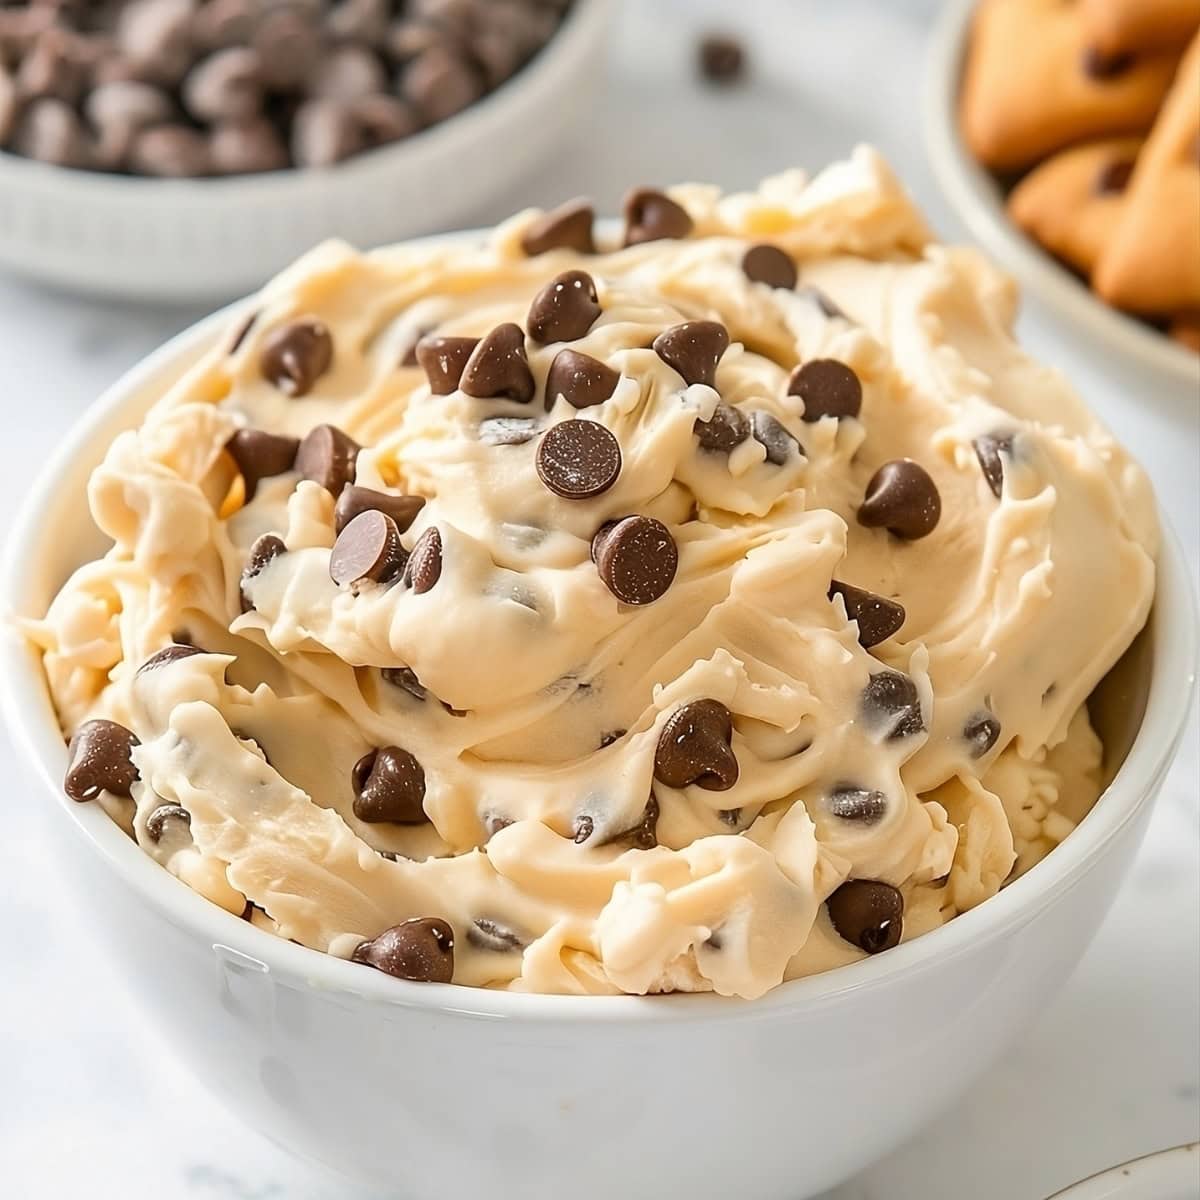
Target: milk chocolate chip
389 785
443 360
902 498
768 264
420 949
695 746
828 388
693 349
636 558
567 227
498 367
328 456
565 309
651 215
296 355
259 455
580 379
578 459
878 618
367 548
100 761
868 913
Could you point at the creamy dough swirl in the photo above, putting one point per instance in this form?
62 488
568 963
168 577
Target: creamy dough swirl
560 859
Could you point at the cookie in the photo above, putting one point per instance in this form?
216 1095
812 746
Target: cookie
1152 263
1072 202
1185 328
1034 85
1135 26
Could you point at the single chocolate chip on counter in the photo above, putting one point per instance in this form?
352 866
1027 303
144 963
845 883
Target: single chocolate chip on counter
693 349
498 367
580 379
778 441
878 618
565 309
866 806
406 679
168 655
486 934
721 57
828 388
296 355
424 566
100 761
726 429
981 733
389 785
1100 66
507 431
651 215
328 456
420 949
868 914
890 701
988 449
355 500
578 459
903 499
265 550
368 548
768 264
636 558
260 454
157 821
695 746
443 360
567 227
1113 177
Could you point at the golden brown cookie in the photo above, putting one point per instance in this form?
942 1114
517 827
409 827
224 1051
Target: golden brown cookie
1152 263
1071 203
1033 84
1185 328
1135 26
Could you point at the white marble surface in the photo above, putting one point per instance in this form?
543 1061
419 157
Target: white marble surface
92 1105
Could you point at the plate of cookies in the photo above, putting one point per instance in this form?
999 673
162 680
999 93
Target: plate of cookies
1066 133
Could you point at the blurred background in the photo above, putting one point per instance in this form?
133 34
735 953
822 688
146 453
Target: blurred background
89 1104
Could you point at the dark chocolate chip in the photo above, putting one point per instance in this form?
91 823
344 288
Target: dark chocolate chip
878 618
565 309
578 459
389 785
988 449
296 355
498 367
443 359
420 949
328 456
580 379
727 428
823 301
981 733
424 566
902 498
567 227
265 550
354 500
768 264
583 829
368 548
693 349
1113 177
853 803
778 441
890 702
1100 66
169 654
259 454
643 835
507 431
868 913
721 58
650 215
406 678
695 746
730 816
486 934
100 761
828 388
636 558
156 822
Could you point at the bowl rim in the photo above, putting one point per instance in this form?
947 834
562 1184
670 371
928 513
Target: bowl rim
975 197
1158 1168
34 731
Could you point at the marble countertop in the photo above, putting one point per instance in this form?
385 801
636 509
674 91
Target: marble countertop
92 1104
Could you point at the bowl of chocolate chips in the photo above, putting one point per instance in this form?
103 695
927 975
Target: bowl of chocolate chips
187 149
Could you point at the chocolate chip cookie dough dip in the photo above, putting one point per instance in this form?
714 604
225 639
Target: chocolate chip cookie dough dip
692 609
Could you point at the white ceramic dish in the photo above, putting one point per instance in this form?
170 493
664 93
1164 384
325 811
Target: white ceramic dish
187 240
1168 1175
439 1090
979 201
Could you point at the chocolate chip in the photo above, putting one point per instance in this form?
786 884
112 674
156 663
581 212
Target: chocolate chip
890 702
226 86
981 733
498 367
296 355
867 913
420 949
347 73
170 152
100 761
265 550
1100 66
695 747
259 455
443 360
567 227
168 655
578 459
328 456
853 803
405 678
643 835
815 296
383 119
721 58
489 935
507 431
828 388
902 498
988 449
778 441
355 500
650 215
424 566
368 548
580 379
614 735
727 428
325 132
878 618
440 83
636 558
156 822
51 131
693 349
247 147
565 309
389 785
768 264
289 42
1113 177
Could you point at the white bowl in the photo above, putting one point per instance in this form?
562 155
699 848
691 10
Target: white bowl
443 1090
189 240
979 201
1167 1175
